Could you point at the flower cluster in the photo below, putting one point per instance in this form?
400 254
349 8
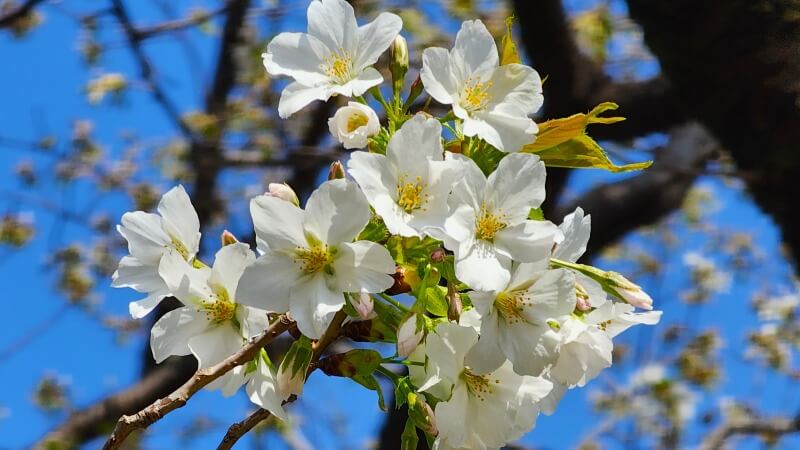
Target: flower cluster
434 240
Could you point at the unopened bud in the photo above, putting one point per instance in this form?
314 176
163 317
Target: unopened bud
291 375
438 255
631 292
421 413
454 305
283 192
415 91
406 278
336 171
399 64
409 335
228 238
364 306
582 299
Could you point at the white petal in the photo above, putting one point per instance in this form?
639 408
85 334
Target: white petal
267 282
553 296
471 190
436 75
296 96
474 52
262 390
517 186
147 241
171 333
364 81
363 266
482 268
336 212
133 274
333 22
277 222
549 402
297 55
530 241
215 344
447 347
419 140
313 304
486 356
180 219
188 284
531 348
229 383
143 307
375 37
229 264
451 418
576 228
516 91
504 132
253 321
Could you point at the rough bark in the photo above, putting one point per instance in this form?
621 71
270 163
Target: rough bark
736 64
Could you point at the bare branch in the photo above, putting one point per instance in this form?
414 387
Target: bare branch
239 429
180 24
201 378
9 17
768 427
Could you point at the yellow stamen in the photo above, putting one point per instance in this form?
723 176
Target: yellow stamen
511 305
178 245
221 309
411 196
488 223
314 258
475 96
356 121
478 385
339 66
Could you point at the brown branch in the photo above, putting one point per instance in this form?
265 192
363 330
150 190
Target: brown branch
239 429
11 16
769 427
179 24
201 378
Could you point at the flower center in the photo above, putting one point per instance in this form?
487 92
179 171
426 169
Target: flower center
478 385
511 305
488 223
475 96
356 121
315 258
339 66
221 309
410 195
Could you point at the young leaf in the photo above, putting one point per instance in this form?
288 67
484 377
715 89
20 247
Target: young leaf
508 49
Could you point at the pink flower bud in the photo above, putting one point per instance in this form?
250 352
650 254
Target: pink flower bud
408 336
364 306
283 192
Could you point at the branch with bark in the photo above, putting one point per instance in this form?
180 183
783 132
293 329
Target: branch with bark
157 410
770 428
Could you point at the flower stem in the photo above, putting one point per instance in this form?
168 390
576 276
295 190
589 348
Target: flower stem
393 302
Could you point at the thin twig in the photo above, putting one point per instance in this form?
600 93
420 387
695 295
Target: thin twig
180 24
20 11
200 379
239 429
772 427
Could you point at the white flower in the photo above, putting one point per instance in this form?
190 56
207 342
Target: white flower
489 223
335 57
482 411
261 384
311 259
586 348
213 325
175 228
494 101
576 229
364 305
352 125
520 322
409 186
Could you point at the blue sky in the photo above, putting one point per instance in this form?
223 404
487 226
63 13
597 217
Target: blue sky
41 92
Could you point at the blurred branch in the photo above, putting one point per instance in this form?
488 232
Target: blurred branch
146 69
770 428
201 378
621 207
180 24
9 17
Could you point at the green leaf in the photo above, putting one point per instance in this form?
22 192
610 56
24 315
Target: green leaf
436 303
401 391
375 230
508 49
370 382
536 214
564 142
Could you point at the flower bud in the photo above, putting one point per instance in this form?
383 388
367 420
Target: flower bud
291 375
352 125
582 299
364 306
416 89
629 291
438 255
283 192
421 413
336 171
228 238
454 305
409 335
399 64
